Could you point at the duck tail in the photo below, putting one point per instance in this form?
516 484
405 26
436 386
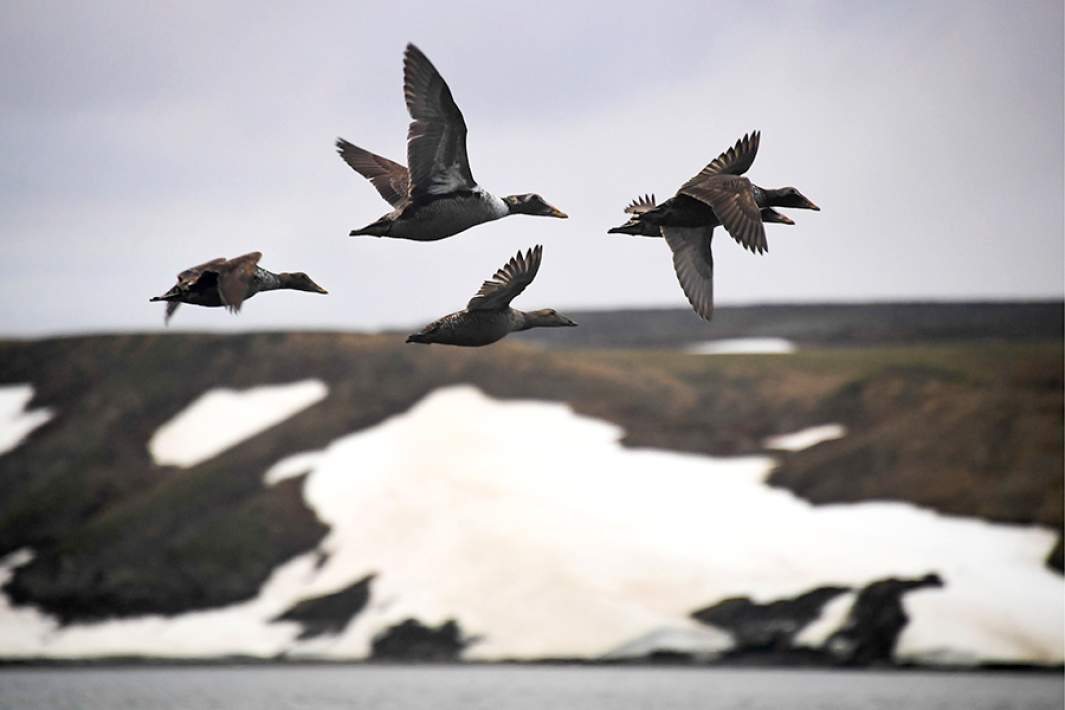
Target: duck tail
380 228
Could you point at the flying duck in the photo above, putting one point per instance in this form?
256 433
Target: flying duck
693 259
435 196
719 195
488 316
229 283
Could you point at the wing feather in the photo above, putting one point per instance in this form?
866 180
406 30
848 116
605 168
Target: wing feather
735 161
234 277
693 261
508 282
390 178
436 139
732 199
640 205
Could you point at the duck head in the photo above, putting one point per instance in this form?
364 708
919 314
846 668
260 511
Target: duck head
548 318
533 204
789 197
771 215
299 281
637 227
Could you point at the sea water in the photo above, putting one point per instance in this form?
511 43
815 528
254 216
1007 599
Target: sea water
495 687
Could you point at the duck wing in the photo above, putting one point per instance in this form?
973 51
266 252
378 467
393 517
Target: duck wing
436 139
192 275
390 178
732 199
234 278
640 205
694 263
497 292
735 161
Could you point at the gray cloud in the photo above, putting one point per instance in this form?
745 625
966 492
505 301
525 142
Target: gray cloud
141 139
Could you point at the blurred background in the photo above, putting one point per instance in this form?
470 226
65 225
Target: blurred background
856 464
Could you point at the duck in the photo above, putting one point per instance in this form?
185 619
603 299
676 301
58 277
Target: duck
435 196
488 316
693 259
230 282
720 195
636 226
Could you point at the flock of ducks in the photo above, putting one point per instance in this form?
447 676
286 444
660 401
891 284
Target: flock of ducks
435 196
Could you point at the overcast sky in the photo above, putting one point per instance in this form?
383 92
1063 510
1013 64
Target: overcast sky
141 138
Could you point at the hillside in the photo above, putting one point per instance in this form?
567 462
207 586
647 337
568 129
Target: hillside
971 429
818 325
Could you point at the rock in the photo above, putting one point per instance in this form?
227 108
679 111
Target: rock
872 628
414 641
329 613
772 626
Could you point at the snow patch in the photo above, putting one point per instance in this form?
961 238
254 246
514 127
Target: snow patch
292 466
701 642
833 615
805 438
16 422
743 346
222 418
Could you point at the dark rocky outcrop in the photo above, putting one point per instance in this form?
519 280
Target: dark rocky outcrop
764 634
872 629
412 640
767 627
329 613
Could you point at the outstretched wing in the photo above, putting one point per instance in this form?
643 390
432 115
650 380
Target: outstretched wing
391 179
732 200
234 277
171 306
694 263
436 139
508 282
735 161
640 205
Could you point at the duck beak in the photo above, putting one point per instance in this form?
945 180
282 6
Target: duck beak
556 212
811 206
784 219
570 323
319 289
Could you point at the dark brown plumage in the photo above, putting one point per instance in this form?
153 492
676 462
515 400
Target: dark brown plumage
228 283
719 195
488 316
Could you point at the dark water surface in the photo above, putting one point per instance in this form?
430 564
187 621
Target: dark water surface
516 688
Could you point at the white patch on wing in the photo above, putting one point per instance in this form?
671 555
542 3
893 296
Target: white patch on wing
743 346
222 418
16 422
805 438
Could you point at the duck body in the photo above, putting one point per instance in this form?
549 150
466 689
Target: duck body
204 291
229 282
471 328
439 216
435 195
488 317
